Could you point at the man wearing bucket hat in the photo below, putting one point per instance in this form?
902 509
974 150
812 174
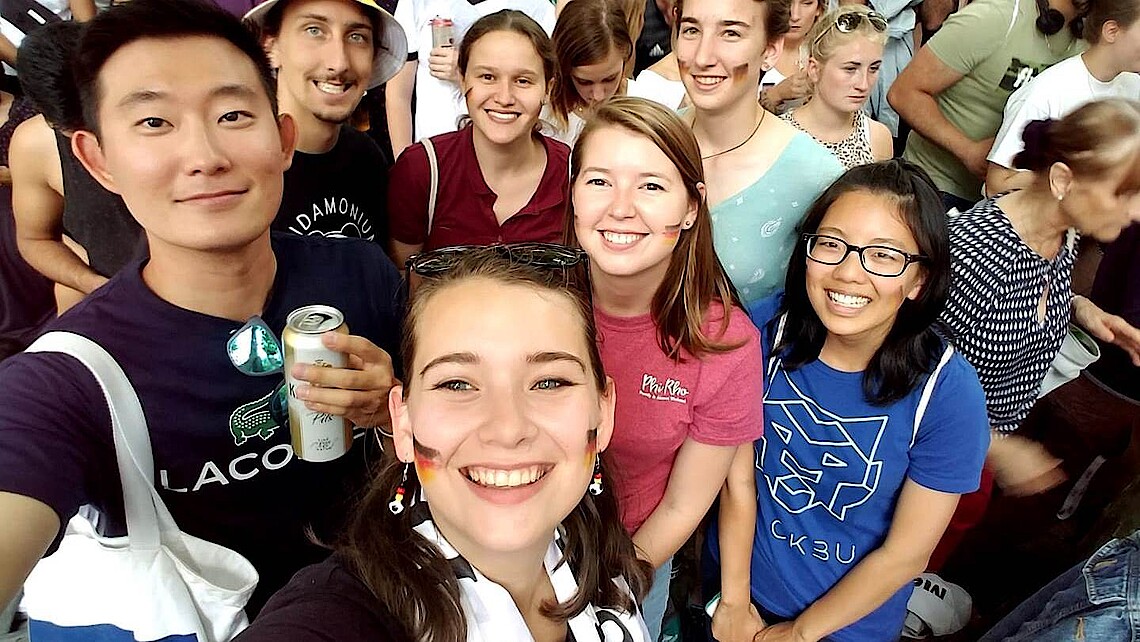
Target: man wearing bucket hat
327 54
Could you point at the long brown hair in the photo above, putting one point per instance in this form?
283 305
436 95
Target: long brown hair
586 33
695 277
407 574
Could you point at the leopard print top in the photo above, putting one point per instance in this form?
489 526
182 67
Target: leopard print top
851 151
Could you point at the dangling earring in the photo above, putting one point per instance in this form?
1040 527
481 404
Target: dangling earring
595 486
397 504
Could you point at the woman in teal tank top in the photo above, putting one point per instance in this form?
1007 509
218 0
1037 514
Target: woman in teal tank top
762 172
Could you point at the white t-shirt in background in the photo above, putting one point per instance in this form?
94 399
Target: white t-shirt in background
1054 93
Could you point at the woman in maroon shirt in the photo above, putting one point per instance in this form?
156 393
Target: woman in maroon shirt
496 180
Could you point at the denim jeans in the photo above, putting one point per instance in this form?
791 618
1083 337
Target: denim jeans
1095 600
656 602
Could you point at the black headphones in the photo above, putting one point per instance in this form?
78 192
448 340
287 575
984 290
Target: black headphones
1051 21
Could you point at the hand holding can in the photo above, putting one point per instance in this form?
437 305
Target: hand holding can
355 391
442 32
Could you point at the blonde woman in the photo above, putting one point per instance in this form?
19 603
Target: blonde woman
845 52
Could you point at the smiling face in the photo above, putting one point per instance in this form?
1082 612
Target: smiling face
853 304
630 206
324 56
804 13
720 47
599 81
844 81
504 418
505 86
188 139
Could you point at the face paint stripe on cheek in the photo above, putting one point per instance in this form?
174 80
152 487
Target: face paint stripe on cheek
591 449
427 461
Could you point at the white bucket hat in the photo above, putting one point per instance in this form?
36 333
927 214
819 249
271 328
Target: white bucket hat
390 55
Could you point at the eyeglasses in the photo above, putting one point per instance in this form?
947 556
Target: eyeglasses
255 351
543 255
880 260
850 21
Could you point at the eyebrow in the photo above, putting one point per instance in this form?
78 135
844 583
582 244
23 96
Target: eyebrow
325 19
470 358
518 71
721 23
875 241
555 356
144 96
603 170
454 357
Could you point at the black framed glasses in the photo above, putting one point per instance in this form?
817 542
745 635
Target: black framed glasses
849 21
255 351
880 260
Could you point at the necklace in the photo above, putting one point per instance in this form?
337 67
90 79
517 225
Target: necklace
763 113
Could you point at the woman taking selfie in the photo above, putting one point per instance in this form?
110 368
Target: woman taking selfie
874 423
497 179
761 172
496 519
684 358
845 53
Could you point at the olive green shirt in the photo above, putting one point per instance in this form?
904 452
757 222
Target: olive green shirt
971 43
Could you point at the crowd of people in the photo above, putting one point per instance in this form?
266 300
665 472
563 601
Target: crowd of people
777 296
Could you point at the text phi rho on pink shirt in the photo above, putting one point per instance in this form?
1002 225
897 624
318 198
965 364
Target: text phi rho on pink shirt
715 400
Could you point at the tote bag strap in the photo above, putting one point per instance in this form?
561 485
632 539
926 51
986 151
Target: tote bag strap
433 190
132 440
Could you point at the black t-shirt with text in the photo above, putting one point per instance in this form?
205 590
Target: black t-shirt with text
338 194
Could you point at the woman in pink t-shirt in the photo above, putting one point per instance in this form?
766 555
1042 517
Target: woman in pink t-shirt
684 357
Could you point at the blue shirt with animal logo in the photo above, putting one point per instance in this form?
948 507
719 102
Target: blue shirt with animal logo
830 467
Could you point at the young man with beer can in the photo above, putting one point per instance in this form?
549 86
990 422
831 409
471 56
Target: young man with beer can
181 122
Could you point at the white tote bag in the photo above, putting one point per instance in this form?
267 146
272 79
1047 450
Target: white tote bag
157 583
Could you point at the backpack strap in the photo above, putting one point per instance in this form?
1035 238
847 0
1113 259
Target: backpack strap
433 192
928 390
772 360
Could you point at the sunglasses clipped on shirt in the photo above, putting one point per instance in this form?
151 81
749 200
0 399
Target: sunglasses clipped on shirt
850 20
255 351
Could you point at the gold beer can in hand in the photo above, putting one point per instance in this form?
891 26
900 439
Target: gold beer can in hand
316 436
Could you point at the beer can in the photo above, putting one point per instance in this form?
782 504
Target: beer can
442 32
316 436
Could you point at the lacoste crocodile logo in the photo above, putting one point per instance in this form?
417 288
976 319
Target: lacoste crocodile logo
252 420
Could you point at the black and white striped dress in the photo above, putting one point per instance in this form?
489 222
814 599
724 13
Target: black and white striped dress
992 313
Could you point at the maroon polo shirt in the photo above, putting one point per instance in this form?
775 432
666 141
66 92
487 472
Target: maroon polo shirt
464 210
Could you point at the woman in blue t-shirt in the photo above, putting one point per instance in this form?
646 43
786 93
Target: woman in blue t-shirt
874 425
